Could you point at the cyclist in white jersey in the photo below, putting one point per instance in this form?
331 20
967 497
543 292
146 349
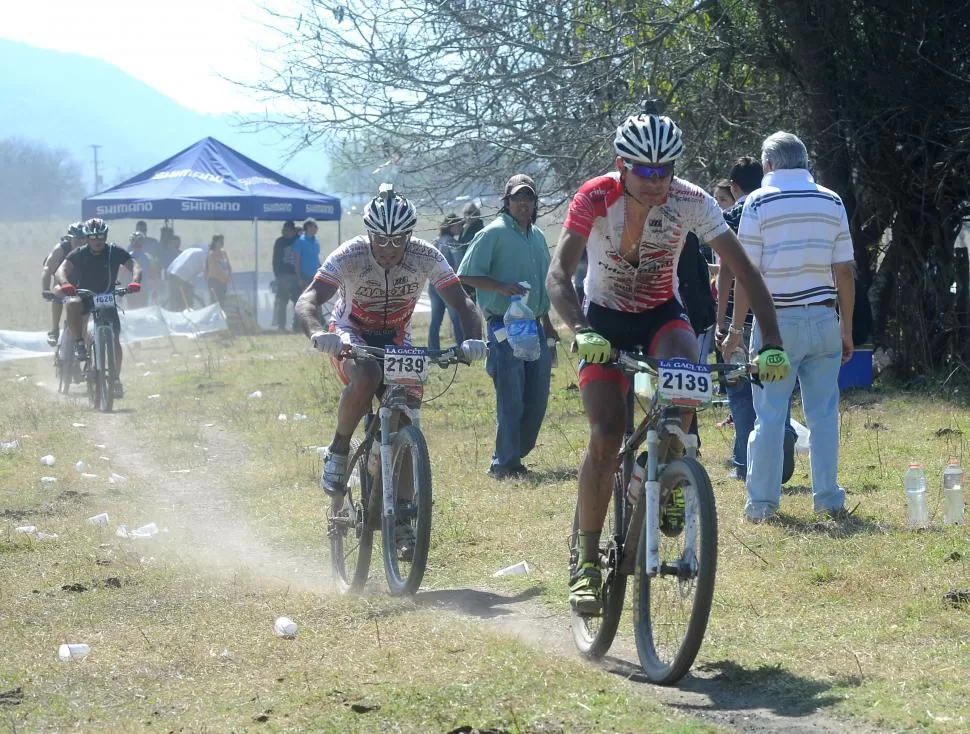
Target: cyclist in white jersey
378 278
632 223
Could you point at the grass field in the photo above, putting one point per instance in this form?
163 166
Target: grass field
811 619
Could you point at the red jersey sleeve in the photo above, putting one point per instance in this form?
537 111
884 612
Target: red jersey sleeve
590 202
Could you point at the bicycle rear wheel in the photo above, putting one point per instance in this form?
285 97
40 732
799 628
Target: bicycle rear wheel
594 635
671 609
406 535
352 537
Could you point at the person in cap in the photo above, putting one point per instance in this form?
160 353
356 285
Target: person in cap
507 252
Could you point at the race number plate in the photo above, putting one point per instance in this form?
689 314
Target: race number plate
104 300
684 383
405 365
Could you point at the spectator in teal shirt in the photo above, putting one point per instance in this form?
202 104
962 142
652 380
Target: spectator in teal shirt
306 253
509 250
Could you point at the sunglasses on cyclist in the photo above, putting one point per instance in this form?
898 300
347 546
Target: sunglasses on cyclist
398 240
645 171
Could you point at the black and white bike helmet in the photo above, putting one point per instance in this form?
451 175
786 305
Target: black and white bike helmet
649 138
389 214
76 230
95 228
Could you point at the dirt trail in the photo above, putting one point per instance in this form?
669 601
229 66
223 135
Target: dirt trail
198 510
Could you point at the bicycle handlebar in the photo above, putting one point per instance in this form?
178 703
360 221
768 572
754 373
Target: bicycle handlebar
441 357
51 296
639 362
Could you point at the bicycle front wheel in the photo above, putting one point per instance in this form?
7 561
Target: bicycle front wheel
351 533
672 608
107 370
594 635
406 535
64 361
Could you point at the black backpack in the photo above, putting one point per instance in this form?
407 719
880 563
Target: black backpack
695 286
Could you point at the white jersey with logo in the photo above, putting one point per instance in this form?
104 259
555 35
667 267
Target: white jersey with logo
373 300
597 212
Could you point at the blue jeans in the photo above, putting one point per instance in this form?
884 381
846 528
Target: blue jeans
742 411
438 308
814 345
521 396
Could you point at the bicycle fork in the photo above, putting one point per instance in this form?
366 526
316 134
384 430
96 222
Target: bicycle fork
386 413
645 524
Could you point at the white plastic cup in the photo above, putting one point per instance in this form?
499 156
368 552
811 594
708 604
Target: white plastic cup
73 651
81 466
26 529
147 530
519 569
100 519
116 479
47 460
285 627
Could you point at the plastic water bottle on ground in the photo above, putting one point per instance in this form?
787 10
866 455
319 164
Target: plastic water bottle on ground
72 651
521 328
918 513
953 494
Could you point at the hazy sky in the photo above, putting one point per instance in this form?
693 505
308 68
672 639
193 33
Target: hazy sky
177 46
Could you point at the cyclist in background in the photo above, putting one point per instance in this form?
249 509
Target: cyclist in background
633 223
94 267
378 278
69 242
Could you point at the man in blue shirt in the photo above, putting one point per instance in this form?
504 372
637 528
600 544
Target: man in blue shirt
306 253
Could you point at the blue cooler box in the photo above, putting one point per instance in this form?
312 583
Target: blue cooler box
857 372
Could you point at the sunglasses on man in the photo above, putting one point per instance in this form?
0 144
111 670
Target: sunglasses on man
646 171
397 241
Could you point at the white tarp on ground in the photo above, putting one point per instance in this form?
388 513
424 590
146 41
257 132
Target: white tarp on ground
138 324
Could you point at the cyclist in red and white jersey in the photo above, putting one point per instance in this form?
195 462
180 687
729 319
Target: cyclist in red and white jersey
633 223
378 278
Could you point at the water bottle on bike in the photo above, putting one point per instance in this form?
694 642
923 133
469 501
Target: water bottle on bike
521 328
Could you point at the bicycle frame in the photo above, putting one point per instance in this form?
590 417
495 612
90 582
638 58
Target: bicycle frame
645 521
393 405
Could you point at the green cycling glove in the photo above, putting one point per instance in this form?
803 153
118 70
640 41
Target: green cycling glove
773 364
593 348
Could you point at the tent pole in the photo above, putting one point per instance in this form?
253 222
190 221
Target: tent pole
255 270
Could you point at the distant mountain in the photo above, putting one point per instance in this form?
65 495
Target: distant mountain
72 101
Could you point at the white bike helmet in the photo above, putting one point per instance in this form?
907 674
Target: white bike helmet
76 230
650 139
389 214
96 228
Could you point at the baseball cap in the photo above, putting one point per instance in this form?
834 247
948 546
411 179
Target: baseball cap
519 181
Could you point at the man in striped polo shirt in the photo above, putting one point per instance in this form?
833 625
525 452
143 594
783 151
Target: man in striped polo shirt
797 235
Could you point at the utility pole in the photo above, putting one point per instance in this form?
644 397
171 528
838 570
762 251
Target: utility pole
97 175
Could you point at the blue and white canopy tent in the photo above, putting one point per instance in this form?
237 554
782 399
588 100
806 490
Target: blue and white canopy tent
209 180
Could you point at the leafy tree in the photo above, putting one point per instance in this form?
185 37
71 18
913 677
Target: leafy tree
37 182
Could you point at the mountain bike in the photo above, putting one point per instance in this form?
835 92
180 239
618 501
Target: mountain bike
401 510
66 370
99 366
661 530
